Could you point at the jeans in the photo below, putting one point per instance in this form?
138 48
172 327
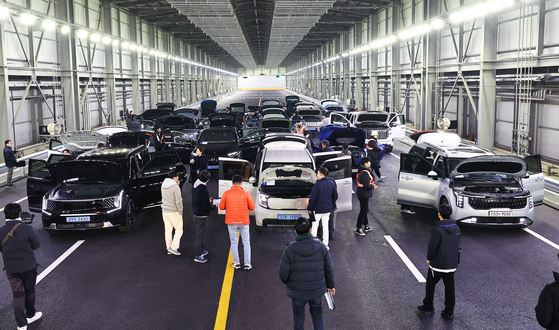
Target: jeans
172 220
433 278
9 176
362 217
318 218
200 223
23 291
315 307
245 235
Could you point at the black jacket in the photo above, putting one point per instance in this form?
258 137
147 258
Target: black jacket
444 245
306 268
323 196
546 314
9 158
200 164
18 252
201 205
365 182
373 152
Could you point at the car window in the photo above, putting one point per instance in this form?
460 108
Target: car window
439 164
339 169
399 120
534 164
416 164
430 154
453 162
234 168
217 136
416 150
160 165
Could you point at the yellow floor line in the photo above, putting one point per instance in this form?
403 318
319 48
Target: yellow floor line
223 308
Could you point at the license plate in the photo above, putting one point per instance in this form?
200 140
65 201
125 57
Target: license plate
288 216
213 167
500 213
78 219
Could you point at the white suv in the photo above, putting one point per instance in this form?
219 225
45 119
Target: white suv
390 126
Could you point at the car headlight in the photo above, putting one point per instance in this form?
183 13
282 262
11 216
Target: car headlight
233 154
459 200
531 201
263 200
117 200
44 204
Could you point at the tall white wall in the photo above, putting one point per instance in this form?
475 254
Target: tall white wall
261 82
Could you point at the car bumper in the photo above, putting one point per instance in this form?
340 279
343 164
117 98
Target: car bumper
483 218
269 217
97 220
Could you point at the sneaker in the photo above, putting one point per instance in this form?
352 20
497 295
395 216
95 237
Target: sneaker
22 328
10 186
382 177
173 252
248 266
34 318
200 259
204 253
360 232
424 309
368 229
236 265
447 316
408 211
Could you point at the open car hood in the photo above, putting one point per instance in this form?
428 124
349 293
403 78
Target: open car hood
81 140
292 99
222 119
275 122
286 173
491 164
129 139
105 171
310 113
208 107
192 111
154 114
337 135
176 122
237 107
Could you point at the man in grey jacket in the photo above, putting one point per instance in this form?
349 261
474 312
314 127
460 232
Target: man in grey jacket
172 212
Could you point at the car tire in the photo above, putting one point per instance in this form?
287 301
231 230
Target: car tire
389 149
443 201
130 220
258 229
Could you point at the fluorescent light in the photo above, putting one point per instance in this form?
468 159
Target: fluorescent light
65 29
115 42
392 38
151 52
437 24
82 33
495 5
480 10
47 24
338 57
133 47
27 19
168 56
456 17
508 3
95 37
125 45
140 49
107 40
145 50
4 12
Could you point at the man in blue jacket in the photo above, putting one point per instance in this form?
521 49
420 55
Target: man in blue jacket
308 272
11 162
19 242
443 256
321 202
202 204
365 186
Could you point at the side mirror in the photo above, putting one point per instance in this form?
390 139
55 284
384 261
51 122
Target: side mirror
433 175
527 175
252 180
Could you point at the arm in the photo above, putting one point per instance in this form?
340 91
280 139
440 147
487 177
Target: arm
33 239
206 203
284 268
329 272
223 201
178 199
312 197
544 308
334 194
433 246
250 201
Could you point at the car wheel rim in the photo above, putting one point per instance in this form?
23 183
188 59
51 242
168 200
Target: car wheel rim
130 215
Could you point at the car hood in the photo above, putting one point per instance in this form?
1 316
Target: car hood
154 114
194 112
275 122
89 170
208 107
83 140
72 191
223 119
337 135
495 164
287 173
310 113
129 139
176 122
218 148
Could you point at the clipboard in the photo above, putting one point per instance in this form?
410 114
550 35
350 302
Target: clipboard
216 201
330 300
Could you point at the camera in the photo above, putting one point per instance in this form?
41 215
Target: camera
27 217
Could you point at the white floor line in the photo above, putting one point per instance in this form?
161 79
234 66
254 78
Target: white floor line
59 260
394 155
405 259
19 201
531 232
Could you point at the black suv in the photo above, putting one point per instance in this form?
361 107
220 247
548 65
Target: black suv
102 188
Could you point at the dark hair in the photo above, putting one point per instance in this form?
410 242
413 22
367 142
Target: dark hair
325 143
100 145
173 174
345 145
365 160
66 150
302 226
305 132
201 150
445 210
6 142
204 176
237 178
12 211
324 171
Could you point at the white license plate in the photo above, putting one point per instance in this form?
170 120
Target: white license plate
288 216
213 167
78 219
500 213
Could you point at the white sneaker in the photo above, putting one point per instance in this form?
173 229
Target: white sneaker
382 177
37 316
22 328
175 252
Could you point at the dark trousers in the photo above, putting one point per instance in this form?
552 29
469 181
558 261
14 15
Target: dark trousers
433 278
315 307
23 291
200 223
362 217
9 176
377 171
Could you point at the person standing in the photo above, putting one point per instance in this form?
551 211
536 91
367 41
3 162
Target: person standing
547 309
19 241
198 164
365 186
373 151
307 270
299 128
201 207
159 139
322 201
443 257
172 212
237 203
11 162
325 144
310 144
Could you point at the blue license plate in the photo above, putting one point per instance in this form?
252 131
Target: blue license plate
213 167
78 219
288 216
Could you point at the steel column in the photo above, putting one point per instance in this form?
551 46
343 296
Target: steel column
487 85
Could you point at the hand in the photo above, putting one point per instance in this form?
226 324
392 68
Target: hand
428 262
192 161
310 212
211 200
333 291
376 187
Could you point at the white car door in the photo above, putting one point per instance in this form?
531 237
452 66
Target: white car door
414 186
340 171
398 127
536 181
337 119
321 157
232 166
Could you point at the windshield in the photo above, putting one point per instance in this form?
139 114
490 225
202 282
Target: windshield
238 109
335 108
373 117
270 102
218 136
268 165
452 162
179 137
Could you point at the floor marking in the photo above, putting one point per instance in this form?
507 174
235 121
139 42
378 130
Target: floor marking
57 262
223 307
531 232
394 155
405 259
19 201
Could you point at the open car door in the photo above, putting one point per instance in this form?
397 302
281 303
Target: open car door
414 186
321 157
39 182
338 119
536 181
398 126
232 166
340 171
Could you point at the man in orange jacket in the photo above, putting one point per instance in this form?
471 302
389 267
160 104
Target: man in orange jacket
237 202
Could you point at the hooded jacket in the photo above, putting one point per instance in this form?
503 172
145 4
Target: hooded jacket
323 196
365 183
201 205
306 268
547 316
171 196
444 246
18 251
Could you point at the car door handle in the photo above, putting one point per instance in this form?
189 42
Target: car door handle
540 179
407 178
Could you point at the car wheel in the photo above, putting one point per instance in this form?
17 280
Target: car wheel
389 149
258 229
443 201
130 220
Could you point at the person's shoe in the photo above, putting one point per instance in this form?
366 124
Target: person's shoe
447 316
408 211
10 186
37 316
201 259
360 232
173 252
236 265
424 309
248 266
382 177
22 328
368 229
204 253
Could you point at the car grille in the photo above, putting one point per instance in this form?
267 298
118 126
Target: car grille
80 225
497 203
498 220
383 134
80 206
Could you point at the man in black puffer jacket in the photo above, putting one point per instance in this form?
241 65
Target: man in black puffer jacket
547 309
307 270
365 186
322 202
443 256
201 207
